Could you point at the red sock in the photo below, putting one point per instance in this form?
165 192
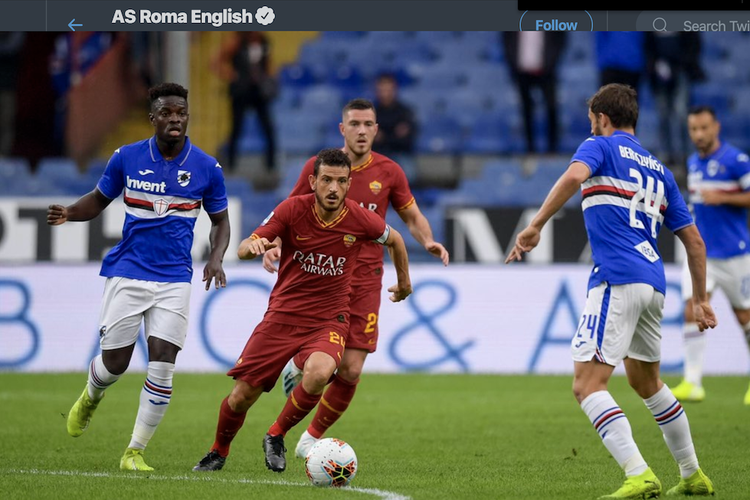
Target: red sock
334 403
297 407
229 424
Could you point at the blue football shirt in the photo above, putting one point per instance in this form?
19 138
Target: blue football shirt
723 227
627 198
162 202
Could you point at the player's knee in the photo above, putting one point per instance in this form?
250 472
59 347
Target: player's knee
242 397
349 371
116 364
645 388
314 381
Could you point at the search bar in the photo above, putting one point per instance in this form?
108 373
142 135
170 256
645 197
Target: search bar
693 21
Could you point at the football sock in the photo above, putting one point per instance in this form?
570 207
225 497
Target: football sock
99 379
155 396
614 429
673 422
695 347
298 406
230 422
332 405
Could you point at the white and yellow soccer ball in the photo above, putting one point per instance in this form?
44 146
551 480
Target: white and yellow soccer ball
331 462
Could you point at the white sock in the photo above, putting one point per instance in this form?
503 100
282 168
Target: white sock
99 379
673 422
614 429
155 396
695 347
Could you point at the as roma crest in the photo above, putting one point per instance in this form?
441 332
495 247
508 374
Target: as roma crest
349 240
375 187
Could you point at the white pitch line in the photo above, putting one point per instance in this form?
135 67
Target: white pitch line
385 495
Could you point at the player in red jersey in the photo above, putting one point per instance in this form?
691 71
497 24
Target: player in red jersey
376 182
308 312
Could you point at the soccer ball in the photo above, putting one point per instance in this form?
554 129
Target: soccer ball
331 462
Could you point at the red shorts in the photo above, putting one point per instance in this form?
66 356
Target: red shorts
272 344
363 319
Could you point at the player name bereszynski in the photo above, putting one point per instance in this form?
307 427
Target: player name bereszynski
196 16
320 263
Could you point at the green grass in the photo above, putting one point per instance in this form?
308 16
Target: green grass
419 436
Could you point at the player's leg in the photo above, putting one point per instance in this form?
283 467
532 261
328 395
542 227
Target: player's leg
321 354
642 368
120 320
733 276
743 318
335 400
601 342
232 413
256 371
361 340
694 341
166 324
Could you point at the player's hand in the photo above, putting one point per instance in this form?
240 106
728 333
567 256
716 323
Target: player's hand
252 247
214 271
400 292
526 241
712 197
56 215
704 315
271 256
438 251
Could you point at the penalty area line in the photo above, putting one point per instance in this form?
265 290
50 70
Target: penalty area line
385 495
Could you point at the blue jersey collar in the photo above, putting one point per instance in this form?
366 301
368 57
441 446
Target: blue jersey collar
625 134
180 159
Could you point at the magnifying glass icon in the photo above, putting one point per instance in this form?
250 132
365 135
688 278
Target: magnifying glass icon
660 24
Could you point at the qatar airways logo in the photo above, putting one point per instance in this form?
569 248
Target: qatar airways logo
154 187
320 263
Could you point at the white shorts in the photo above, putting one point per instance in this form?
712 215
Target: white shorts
620 321
163 307
731 275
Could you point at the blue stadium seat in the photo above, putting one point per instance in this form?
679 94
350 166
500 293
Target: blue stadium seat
300 133
14 173
488 134
296 75
321 101
440 134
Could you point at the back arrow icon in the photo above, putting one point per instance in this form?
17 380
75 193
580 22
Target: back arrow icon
70 25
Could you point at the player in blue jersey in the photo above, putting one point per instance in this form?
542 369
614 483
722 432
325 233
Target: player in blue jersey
719 185
627 195
165 180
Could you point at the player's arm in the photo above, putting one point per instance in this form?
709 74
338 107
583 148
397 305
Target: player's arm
420 229
219 241
253 246
566 186
719 197
301 187
696 257
88 207
397 249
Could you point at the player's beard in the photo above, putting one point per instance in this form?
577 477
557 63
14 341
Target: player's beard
323 203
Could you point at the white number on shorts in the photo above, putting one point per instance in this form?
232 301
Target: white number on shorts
651 201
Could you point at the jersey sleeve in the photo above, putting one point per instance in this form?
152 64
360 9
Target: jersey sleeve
740 169
400 196
375 228
303 183
590 153
215 197
276 222
112 181
676 215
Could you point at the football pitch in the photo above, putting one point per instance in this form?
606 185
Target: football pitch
416 436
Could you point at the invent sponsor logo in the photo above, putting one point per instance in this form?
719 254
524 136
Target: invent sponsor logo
154 187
